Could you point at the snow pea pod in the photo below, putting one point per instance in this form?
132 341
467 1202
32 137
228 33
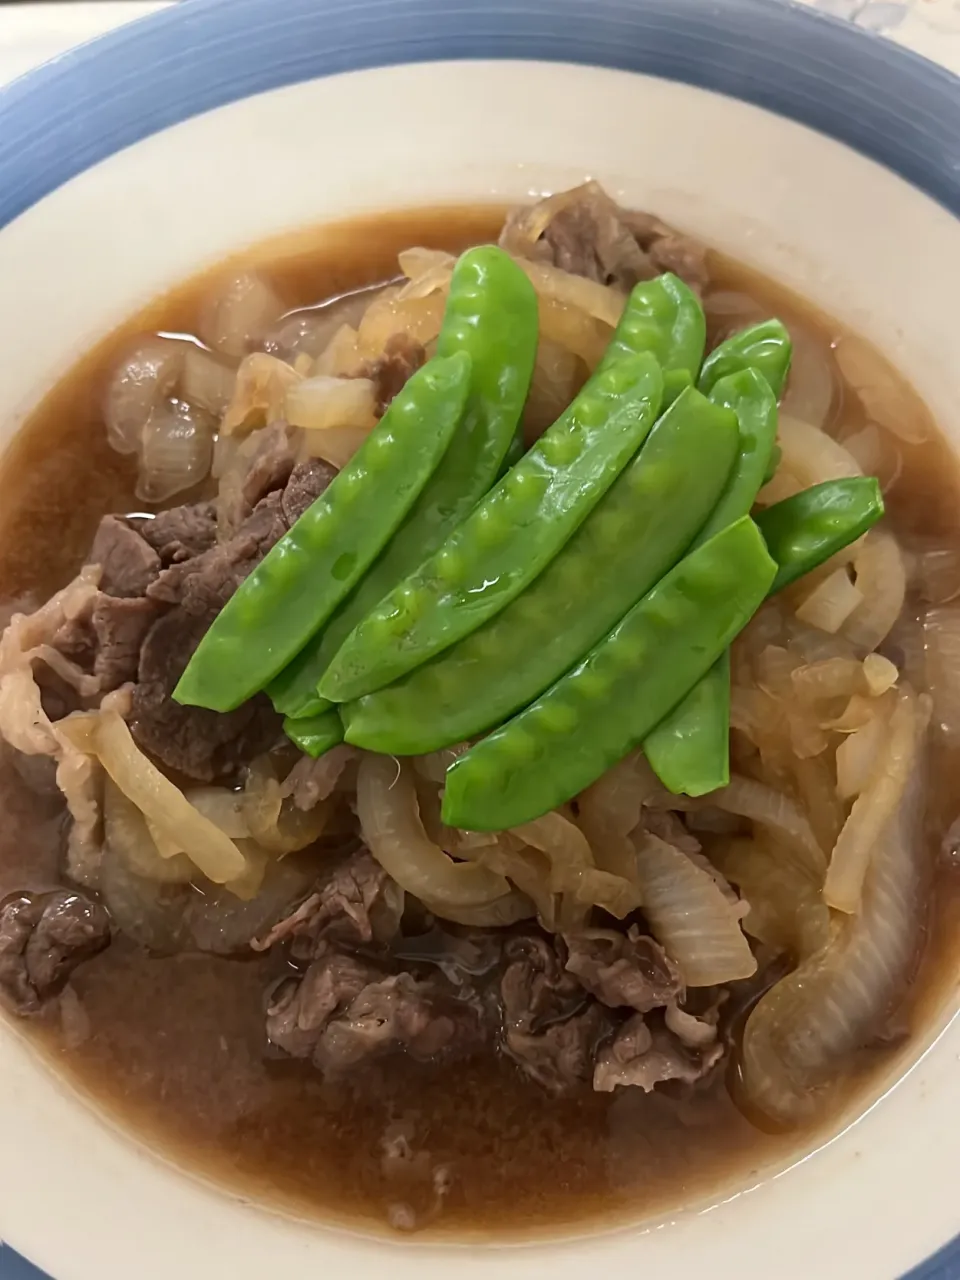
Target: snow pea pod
765 347
662 316
690 751
315 735
598 712
510 536
803 531
302 579
491 314
628 542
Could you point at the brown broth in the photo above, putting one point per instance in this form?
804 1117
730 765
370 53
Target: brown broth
177 1050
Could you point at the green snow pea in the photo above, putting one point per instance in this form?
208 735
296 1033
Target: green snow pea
628 542
510 536
301 580
315 735
765 347
598 712
662 316
803 531
690 750
491 314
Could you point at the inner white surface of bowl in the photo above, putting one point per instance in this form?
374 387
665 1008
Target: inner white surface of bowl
841 230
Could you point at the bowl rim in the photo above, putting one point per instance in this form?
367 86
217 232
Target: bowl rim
851 85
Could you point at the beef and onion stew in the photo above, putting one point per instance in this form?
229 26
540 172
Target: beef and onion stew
474 699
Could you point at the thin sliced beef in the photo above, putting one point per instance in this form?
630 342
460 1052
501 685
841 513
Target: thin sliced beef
195 742
128 562
355 904
344 1012
307 481
624 971
119 626
402 357
270 466
551 1026
43 938
644 1055
296 1020
180 533
423 1019
588 234
310 781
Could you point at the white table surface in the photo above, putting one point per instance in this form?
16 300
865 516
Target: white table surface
34 33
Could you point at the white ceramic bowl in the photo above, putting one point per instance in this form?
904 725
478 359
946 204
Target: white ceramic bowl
802 147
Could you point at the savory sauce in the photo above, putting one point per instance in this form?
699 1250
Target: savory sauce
175 1047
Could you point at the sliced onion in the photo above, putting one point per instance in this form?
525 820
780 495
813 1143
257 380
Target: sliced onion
564 844
935 573
557 376
829 605
391 826
600 301
107 736
873 807
775 811
858 756
309 331
341 357
886 398
207 381
260 393
499 914
828 678
809 456
804 1028
941 633
320 402
611 808
812 384
879 673
690 916
144 379
427 270
617 895
389 314
881 579
335 445
786 910
239 313
728 311
877 454
176 450
274 821
573 329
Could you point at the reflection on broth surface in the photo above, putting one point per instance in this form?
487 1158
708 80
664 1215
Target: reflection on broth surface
522 1040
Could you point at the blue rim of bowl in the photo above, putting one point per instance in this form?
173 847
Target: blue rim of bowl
882 101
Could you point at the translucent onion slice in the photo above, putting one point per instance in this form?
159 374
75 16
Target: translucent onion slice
390 823
941 633
883 394
107 737
176 450
776 811
786 910
239 313
812 385
873 807
145 377
881 579
259 393
335 445
690 916
320 402
804 1027
809 456
829 605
